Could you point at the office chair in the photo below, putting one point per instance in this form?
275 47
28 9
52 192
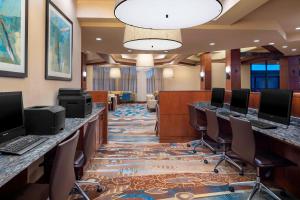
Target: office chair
213 132
200 127
244 145
84 157
62 180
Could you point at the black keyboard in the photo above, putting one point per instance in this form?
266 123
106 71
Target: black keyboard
21 145
227 114
262 125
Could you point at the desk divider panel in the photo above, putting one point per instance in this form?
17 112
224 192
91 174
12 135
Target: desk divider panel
102 97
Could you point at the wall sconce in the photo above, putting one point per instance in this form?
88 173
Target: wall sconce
228 72
84 75
202 75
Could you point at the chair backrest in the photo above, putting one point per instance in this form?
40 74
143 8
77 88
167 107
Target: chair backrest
243 140
89 143
62 174
193 116
212 124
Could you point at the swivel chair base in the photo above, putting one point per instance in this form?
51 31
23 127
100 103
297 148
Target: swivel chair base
82 192
257 187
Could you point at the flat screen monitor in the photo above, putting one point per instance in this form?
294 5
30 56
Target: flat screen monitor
11 115
240 100
275 105
217 97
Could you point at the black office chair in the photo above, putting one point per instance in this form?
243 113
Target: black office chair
213 131
84 157
62 179
200 126
245 146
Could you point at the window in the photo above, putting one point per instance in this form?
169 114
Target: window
265 76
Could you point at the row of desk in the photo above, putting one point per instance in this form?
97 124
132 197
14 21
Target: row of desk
16 169
284 141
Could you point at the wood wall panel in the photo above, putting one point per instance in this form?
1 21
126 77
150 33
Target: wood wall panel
102 97
174 117
206 66
233 59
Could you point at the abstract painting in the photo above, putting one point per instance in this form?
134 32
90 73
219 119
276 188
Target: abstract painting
59 44
13 38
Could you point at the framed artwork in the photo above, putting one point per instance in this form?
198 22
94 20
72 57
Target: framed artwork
59 44
13 38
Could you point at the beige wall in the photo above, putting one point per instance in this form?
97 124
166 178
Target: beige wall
218 75
89 77
245 76
37 90
185 78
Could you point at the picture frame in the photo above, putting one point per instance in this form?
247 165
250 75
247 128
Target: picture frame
14 38
59 44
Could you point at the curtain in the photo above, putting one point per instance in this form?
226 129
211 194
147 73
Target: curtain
127 82
154 80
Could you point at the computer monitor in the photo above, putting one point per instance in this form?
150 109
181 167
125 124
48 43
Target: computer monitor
217 97
275 105
11 116
240 100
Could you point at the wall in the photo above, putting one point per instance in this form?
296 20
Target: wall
89 77
37 90
245 76
185 78
218 75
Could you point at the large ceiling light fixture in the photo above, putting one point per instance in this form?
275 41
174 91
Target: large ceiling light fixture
151 40
167 14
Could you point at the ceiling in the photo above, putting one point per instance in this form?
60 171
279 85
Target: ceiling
241 22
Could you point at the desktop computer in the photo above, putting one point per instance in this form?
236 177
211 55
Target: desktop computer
12 127
217 98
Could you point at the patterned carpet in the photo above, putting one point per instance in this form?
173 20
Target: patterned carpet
134 166
132 123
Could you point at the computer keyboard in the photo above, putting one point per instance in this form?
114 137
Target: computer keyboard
227 114
210 107
21 145
262 125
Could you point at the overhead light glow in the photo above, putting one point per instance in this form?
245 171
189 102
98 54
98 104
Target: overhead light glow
256 41
115 73
98 39
294 49
212 44
151 40
167 14
298 28
271 43
285 46
168 73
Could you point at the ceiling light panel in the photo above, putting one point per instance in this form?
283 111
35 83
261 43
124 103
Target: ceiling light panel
167 14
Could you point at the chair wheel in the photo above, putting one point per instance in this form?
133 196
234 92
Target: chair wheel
231 189
241 173
188 145
283 194
205 161
194 151
99 189
216 171
214 152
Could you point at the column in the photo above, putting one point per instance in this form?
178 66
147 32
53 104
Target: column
233 69
205 62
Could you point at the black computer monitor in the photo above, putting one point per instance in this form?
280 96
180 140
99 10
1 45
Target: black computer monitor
240 101
275 105
11 116
217 97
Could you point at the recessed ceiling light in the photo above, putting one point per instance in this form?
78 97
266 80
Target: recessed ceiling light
212 44
166 51
271 43
98 39
166 14
294 49
256 41
285 46
129 50
298 28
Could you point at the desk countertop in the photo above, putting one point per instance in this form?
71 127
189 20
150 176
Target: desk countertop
11 166
289 135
